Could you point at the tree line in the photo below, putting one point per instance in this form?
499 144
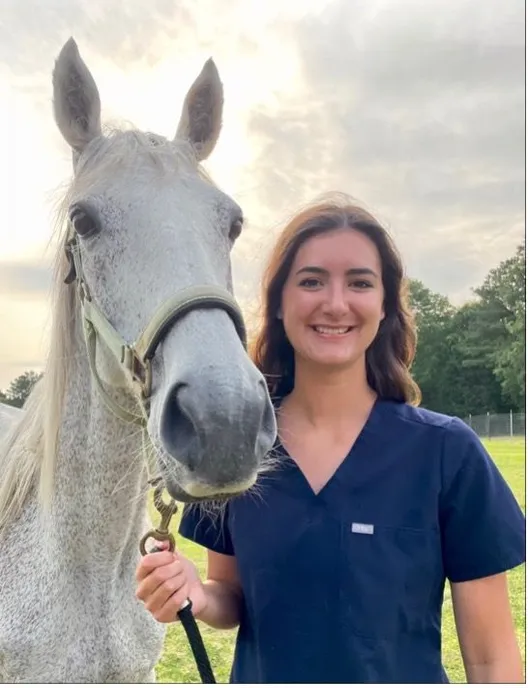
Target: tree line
469 359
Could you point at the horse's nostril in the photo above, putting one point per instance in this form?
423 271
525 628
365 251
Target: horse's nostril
219 440
177 430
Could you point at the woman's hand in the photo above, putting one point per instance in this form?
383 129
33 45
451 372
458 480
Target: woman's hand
165 581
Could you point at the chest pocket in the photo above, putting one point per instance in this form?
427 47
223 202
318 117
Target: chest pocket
389 576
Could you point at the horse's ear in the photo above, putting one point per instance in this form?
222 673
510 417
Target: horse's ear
201 118
76 101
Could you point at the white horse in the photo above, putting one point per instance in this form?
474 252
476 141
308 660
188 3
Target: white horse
145 352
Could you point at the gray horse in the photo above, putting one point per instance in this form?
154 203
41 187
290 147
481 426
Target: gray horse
146 360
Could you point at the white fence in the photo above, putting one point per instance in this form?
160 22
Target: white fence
498 424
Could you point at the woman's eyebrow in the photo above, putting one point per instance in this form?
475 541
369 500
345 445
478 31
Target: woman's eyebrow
321 271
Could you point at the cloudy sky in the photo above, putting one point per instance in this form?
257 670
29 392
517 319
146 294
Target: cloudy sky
415 108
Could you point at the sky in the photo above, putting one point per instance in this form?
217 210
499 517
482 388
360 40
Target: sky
414 108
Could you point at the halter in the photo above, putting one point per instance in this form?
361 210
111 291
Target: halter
135 359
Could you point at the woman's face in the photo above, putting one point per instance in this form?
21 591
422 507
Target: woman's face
332 301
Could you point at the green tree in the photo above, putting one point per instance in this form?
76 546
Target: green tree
456 354
21 387
505 286
510 363
503 298
474 339
433 369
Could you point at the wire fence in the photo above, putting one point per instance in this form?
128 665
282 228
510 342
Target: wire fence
498 424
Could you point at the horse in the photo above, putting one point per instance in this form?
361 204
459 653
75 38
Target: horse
147 374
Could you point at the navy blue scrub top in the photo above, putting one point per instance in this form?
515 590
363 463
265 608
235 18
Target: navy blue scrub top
346 586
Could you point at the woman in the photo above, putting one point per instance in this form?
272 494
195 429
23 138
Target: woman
335 567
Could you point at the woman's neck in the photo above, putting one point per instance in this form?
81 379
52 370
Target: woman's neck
329 398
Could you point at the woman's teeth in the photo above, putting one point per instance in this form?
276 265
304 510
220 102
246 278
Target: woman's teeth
331 330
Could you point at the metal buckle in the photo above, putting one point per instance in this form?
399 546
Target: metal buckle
161 533
72 272
84 294
140 371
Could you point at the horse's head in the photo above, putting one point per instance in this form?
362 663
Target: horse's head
146 226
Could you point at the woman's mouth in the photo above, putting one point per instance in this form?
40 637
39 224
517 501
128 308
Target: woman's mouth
332 331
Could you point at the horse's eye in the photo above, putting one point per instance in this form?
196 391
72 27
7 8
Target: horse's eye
236 228
83 223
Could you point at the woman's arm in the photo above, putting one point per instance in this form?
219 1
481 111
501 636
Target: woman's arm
486 632
223 594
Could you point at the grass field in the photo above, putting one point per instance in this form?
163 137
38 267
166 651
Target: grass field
177 665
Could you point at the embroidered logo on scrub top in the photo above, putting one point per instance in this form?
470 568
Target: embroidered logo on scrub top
363 528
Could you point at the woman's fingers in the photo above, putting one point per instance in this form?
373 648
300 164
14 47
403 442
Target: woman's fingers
161 544
167 599
164 584
168 612
150 562
158 576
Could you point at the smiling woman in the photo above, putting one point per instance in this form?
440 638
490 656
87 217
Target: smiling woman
357 276
331 312
336 573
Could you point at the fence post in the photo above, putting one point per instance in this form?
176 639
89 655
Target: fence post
511 423
470 423
488 429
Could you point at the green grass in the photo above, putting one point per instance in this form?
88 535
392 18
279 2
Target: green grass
177 665
509 457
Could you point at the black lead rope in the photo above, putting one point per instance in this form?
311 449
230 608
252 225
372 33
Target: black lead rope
195 640
185 614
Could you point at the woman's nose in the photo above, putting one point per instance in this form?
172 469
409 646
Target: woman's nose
337 303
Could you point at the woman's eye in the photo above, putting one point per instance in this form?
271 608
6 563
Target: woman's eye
361 284
310 282
236 229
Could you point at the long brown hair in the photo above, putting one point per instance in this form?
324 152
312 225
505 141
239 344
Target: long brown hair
390 355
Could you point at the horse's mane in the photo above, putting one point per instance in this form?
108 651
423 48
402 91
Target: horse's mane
28 455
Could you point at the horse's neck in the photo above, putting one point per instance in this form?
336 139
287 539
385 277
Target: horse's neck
101 480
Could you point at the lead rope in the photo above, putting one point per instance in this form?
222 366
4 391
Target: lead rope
185 614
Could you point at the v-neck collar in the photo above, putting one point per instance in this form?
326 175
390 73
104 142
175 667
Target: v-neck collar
294 481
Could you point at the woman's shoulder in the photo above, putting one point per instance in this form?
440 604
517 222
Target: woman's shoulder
434 435
459 448
404 413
